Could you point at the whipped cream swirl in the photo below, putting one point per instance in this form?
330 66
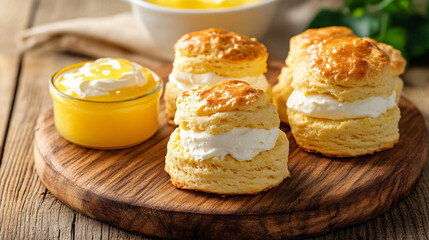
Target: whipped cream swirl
76 82
186 81
325 106
241 143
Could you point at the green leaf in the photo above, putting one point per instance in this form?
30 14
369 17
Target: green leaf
395 36
419 40
370 2
393 7
354 4
365 26
324 18
417 28
399 23
358 12
427 8
405 4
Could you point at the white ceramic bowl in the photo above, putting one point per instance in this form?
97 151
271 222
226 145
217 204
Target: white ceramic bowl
166 25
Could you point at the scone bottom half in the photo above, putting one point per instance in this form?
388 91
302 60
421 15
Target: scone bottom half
222 109
347 138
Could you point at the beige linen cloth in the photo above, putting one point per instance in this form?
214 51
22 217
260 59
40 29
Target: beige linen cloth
97 38
107 36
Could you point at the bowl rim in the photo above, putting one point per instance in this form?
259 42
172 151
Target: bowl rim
55 90
152 6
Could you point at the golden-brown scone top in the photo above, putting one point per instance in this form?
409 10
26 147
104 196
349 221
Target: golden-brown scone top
312 36
300 42
397 62
220 44
224 106
349 62
225 96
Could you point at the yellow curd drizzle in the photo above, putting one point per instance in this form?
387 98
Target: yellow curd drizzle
203 4
107 104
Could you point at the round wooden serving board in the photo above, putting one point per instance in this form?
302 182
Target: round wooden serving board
129 188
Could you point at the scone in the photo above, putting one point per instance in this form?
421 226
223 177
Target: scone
299 46
397 64
211 56
297 50
343 103
228 141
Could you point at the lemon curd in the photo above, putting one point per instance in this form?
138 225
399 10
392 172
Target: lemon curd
203 4
106 104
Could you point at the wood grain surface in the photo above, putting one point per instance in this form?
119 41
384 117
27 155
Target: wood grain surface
17 14
128 188
29 211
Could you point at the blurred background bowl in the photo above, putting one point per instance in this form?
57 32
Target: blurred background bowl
165 25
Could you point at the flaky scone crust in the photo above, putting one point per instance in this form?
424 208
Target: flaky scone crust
348 69
224 106
345 138
299 43
348 62
397 61
297 52
225 53
172 92
227 176
203 64
399 85
220 44
281 92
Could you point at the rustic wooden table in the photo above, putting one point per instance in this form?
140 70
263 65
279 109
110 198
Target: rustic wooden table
29 211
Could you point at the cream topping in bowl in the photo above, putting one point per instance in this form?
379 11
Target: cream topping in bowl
101 76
